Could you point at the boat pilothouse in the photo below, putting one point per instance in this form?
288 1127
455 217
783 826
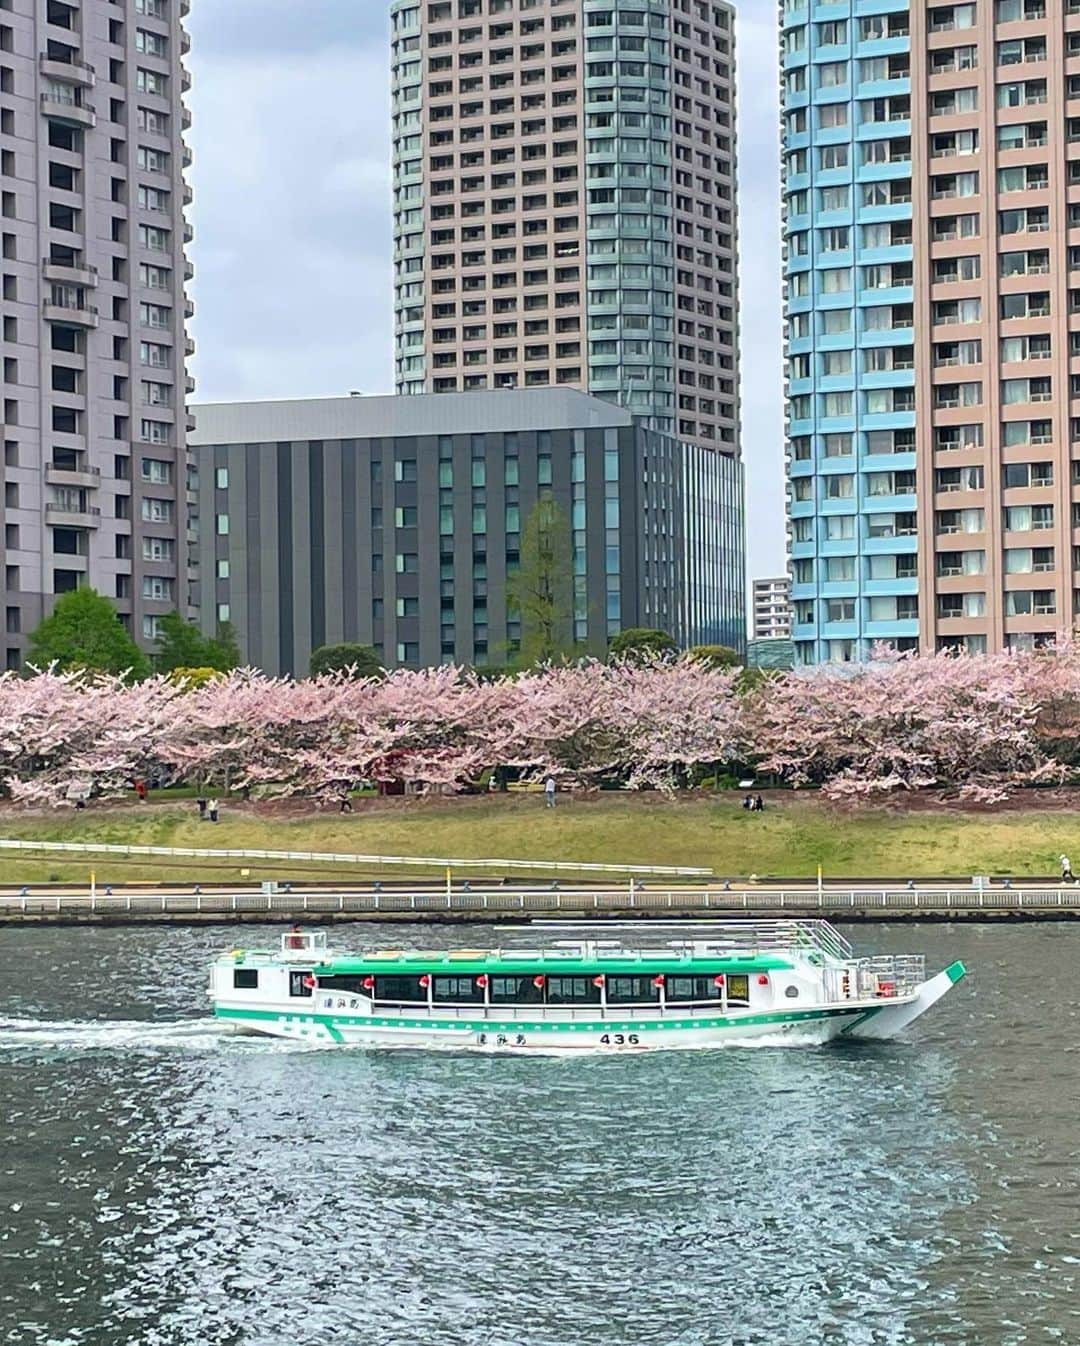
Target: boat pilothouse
744 982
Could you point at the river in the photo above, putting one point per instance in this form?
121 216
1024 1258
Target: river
162 1185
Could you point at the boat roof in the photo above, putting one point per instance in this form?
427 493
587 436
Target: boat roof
555 961
722 946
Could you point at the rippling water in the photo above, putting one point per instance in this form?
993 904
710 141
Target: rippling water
161 1185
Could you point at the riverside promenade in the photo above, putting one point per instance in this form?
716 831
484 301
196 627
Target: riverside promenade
495 900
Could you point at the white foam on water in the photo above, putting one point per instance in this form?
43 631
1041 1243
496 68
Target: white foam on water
75 1035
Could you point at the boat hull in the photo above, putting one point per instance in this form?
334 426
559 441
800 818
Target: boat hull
805 1028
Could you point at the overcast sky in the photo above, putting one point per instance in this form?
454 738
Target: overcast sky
291 175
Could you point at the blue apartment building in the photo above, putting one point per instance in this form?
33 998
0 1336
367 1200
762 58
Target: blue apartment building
846 140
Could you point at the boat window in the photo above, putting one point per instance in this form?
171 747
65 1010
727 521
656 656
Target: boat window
692 988
738 988
245 978
352 983
462 990
516 991
296 983
572 991
398 988
631 990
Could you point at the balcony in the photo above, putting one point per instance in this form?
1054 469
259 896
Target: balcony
84 316
61 516
73 273
69 112
67 72
84 478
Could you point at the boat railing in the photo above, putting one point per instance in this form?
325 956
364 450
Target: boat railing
723 937
885 975
555 1013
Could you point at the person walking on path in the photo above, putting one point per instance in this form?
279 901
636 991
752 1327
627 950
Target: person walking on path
759 804
346 804
212 810
200 804
549 792
1066 869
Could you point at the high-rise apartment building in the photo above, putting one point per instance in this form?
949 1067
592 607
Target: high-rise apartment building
932 210
564 203
772 609
93 315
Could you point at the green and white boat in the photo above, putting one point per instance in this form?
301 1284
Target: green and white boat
744 983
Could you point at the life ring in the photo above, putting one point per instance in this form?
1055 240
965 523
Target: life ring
886 989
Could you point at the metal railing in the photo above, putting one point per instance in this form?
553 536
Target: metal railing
889 974
338 858
296 904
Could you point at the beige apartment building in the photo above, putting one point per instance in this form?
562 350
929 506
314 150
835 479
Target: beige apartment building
93 342
564 203
997 318
932 204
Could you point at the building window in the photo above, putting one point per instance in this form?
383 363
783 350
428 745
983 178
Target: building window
158 588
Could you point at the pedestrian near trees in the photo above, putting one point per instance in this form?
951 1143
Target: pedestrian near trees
212 810
1066 869
549 792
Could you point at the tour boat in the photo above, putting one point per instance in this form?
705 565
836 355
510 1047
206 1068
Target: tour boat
744 983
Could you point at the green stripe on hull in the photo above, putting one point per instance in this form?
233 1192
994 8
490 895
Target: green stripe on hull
331 1022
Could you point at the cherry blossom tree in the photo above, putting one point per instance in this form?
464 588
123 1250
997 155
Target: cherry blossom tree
973 724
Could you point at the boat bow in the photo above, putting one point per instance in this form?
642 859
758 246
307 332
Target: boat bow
881 1024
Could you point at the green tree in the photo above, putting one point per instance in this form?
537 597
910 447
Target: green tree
360 659
224 648
638 643
191 679
84 631
715 656
539 591
182 645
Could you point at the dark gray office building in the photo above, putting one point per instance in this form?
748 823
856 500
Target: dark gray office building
394 521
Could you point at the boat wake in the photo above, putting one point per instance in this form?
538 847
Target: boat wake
95 1035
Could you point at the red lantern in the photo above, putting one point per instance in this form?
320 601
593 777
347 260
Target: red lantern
482 979
310 983
658 980
368 983
718 980
538 982
598 981
425 981
763 980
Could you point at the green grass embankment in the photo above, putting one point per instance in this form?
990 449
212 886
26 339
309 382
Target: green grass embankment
790 839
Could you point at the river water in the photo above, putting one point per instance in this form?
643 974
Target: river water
161 1185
